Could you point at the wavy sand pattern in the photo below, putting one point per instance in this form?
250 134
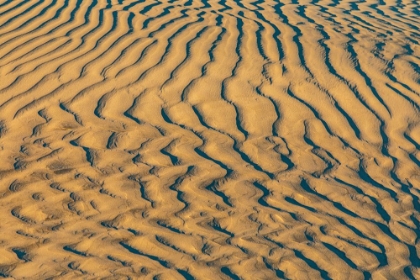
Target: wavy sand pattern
211 139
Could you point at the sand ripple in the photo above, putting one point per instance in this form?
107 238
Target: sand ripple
211 139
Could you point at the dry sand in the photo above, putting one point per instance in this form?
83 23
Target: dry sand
209 139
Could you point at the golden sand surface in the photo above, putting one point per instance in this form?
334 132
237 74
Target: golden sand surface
210 139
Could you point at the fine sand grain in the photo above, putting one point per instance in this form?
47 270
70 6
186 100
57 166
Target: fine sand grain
210 139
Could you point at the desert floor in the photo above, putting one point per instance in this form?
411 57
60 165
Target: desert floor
212 139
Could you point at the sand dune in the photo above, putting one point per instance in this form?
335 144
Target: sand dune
212 139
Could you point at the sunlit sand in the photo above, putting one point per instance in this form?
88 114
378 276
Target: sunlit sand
209 139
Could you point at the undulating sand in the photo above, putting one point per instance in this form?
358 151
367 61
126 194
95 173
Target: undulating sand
212 139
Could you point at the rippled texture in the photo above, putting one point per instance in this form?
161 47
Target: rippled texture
210 139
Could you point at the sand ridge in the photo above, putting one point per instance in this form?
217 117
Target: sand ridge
209 139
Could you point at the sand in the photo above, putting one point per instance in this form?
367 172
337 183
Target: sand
209 139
